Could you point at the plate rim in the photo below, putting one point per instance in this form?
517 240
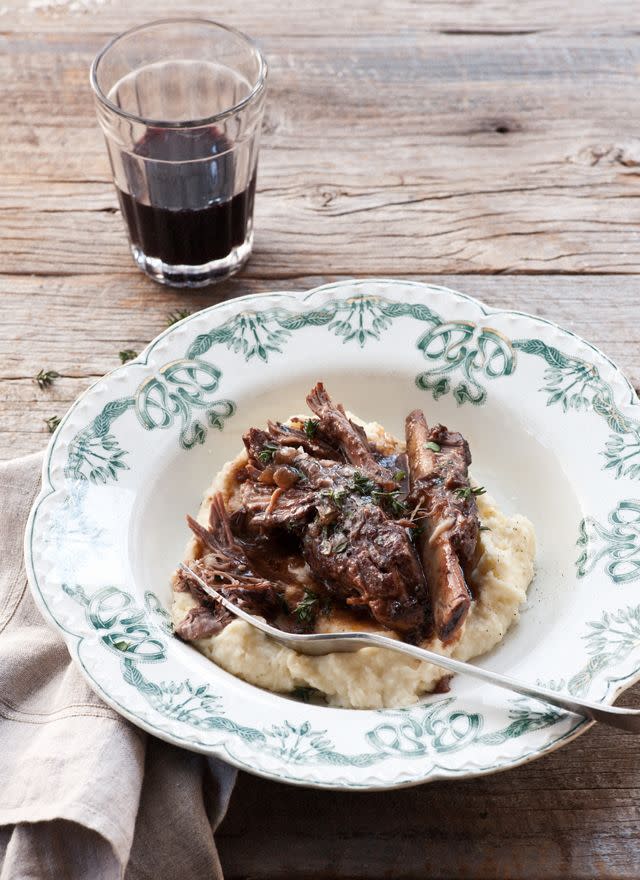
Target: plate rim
73 640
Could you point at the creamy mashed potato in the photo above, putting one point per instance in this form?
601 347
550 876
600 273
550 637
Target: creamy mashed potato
374 678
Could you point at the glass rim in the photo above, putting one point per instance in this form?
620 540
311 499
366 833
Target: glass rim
258 86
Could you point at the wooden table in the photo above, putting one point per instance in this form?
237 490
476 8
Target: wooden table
485 144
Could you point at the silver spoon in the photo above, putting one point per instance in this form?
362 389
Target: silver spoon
317 644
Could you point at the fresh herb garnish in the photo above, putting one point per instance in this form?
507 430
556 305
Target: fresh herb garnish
45 378
467 491
398 508
399 476
305 694
311 428
306 607
128 354
177 315
338 497
485 529
434 447
267 452
391 499
363 485
52 423
122 645
341 546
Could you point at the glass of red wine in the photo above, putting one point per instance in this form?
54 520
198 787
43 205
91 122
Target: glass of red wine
180 102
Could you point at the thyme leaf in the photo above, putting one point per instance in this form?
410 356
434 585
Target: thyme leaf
434 447
177 315
362 484
52 423
466 491
311 428
365 486
338 497
45 378
307 607
267 452
128 354
391 499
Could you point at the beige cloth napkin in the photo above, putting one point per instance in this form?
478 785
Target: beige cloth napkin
84 793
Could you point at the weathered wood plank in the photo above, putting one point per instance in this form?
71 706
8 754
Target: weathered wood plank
409 138
304 17
473 155
78 324
572 814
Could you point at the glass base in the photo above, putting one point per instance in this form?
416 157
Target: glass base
194 276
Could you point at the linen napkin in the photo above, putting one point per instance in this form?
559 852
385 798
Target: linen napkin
84 793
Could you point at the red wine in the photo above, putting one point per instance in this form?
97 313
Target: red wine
190 236
181 207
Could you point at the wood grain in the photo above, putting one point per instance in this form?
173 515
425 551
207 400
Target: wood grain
126 313
474 153
489 145
572 814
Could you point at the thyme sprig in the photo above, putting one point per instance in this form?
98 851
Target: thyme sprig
307 607
391 499
267 452
177 315
467 491
311 428
338 497
45 378
362 484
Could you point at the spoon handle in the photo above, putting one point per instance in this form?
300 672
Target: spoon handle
325 643
624 719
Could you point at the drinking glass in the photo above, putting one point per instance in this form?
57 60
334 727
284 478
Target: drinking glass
180 102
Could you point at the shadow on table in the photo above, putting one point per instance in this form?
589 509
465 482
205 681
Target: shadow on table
571 814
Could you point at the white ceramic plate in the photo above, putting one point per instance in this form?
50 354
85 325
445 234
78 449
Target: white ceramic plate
554 429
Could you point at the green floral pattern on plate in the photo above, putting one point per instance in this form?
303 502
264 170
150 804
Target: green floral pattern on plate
178 391
450 346
462 355
406 733
465 350
123 628
617 543
610 641
575 384
260 334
